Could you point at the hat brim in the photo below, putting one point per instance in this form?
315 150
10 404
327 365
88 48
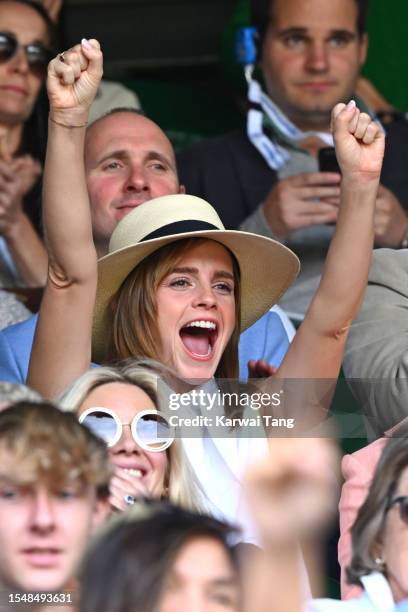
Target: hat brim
267 269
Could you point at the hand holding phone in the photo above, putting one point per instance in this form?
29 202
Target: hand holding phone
328 160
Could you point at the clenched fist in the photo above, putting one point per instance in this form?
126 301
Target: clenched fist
73 80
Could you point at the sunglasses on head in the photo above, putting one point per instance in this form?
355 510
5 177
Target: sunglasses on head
150 430
38 56
402 502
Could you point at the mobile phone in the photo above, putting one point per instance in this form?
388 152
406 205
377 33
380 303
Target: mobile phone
328 160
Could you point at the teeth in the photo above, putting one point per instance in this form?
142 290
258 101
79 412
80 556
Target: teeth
132 472
203 324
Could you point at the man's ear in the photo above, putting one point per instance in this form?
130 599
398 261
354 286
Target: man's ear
182 189
101 512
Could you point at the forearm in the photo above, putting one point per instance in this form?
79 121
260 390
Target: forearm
66 210
28 252
324 331
345 273
273 582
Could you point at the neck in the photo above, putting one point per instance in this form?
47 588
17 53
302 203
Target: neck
317 122
10 140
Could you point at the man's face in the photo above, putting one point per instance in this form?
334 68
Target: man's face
43 533
128 160
311 58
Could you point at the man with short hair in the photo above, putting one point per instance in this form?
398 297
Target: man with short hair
129 160
54 477
267 180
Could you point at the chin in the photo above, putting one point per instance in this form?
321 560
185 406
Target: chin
197 371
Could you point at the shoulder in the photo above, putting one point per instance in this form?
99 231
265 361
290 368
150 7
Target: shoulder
364 460
225 143
11 310
389 269
23 330
359 604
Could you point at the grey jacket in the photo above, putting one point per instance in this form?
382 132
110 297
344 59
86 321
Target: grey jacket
376 357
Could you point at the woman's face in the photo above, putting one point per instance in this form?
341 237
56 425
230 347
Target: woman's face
127 401
395 545
196 311
202 578
19 84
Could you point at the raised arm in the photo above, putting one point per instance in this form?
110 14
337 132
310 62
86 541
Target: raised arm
62 345
298 473
317 349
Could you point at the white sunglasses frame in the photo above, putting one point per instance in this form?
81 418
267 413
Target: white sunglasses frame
133 427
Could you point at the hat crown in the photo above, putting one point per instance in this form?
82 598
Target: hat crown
156 214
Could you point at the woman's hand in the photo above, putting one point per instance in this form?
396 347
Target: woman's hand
73 79
10 199
359 142
123 484
27 169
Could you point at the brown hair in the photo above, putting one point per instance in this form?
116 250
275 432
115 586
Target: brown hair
39 442
134 331
368 528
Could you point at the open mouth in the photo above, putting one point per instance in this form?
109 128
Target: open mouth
199 338
137 473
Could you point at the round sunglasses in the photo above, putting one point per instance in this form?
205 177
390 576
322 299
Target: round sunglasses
150 430
402 502
38 56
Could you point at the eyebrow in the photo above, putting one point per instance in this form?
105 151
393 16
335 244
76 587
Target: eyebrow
194 271
305 32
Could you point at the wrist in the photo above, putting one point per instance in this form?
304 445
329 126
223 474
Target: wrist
69 118
359 182
12 231
276 228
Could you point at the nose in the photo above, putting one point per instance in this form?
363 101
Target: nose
19 61
42 516
317 59
204 297
136 180
126 444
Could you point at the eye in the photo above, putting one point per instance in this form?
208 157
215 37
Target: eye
224 599
158 166
112 165
338 41
224 288
67 493
179 283
294 41
8 493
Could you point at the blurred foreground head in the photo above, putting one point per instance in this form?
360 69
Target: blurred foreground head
160 558
54 477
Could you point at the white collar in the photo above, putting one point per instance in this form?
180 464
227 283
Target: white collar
377 590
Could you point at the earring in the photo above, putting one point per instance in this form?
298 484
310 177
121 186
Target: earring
380 562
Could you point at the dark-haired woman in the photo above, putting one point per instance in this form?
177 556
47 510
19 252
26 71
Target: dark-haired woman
26 39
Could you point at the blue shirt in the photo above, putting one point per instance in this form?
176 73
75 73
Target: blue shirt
267 339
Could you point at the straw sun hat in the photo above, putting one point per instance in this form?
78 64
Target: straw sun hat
267 267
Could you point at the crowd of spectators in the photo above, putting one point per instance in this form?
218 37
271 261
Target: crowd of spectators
166 441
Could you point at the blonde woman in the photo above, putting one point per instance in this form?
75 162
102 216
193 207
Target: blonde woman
120 404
